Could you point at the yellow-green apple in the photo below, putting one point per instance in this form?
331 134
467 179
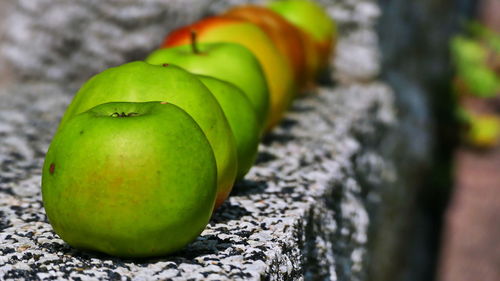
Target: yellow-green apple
277 70
130 179
311 18
227 61
285 35
241 117
141 82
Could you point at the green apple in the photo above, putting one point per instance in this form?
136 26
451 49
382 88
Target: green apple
130 179
278 72
313 20
227 61
141 82
241 117
470 59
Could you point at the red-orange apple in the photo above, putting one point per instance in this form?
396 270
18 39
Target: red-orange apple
285 35
276 68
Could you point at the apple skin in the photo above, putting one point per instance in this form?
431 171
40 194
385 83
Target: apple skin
227 61
278 73
285 35
312 61
312 19
142 82
241 117
130 186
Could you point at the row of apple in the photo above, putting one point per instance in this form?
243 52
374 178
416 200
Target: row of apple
146 150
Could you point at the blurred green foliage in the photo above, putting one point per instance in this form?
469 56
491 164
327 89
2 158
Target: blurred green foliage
474 56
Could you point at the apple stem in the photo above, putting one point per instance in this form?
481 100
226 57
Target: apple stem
194 45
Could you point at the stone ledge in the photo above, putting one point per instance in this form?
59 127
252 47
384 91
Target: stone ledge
300 211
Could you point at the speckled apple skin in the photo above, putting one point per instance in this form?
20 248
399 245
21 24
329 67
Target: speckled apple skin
242 119
141 82
130 186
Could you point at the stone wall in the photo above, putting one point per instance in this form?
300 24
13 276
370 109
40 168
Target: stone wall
332 193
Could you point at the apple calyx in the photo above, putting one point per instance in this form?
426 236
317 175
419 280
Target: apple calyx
123 114
194 45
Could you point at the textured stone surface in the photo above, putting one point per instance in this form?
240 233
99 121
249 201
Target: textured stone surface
299 212
308 209
67 42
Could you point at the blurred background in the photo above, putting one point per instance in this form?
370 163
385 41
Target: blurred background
451 51
445 50
470 240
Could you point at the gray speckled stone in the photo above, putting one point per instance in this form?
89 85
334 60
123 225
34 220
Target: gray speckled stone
68 41
307 208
